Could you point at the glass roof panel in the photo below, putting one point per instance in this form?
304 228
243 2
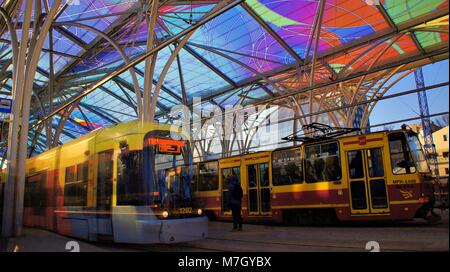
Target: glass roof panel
109 105
233 70
80 9
428 39
62 44
342 22
363 57
58 62
402 11
233 48
176 18
105 58
198 78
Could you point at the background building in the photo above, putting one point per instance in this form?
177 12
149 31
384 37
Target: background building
440 138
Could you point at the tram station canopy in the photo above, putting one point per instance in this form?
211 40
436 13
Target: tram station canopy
256 51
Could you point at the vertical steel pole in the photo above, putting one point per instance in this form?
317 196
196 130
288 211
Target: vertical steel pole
51 84
314 58
150 62
32 62
15 124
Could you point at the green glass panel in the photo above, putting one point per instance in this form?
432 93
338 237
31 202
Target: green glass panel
427 39
402 11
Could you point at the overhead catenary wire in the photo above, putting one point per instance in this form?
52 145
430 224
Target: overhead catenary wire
411 91
408 92
371 126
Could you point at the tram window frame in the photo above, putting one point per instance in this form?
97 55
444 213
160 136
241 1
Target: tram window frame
35 195
212 184
404 144
131 190
283 158
76 185
323 154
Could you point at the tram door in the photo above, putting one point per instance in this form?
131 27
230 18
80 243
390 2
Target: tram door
226 173
367 181
258 189
173 187
104 192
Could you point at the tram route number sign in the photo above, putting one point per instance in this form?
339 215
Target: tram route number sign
169 148
166 146
5 105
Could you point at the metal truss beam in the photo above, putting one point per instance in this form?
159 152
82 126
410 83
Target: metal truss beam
267 90
350 77
118 97
163 87
128 86
386 17
101 113
285 69
114 28
417 43
46 50
66 33
196 55
127 96
141 58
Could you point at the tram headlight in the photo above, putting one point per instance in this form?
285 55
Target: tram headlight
165 214
199 212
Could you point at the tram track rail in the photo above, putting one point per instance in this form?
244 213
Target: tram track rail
302 246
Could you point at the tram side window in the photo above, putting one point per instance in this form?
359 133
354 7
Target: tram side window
287 167
322 162
130 187
401 161
35 191
75 186
208 178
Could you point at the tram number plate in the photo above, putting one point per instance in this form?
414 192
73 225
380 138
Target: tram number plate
185 210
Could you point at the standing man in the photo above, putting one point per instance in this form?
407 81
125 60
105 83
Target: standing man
235 191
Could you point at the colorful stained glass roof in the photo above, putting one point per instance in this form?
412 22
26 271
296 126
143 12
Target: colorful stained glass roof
226 61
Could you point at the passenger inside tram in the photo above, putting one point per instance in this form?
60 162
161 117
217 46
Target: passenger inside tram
332 168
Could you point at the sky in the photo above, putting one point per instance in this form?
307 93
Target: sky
407 106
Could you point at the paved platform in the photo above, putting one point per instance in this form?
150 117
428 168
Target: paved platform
39 240
414 235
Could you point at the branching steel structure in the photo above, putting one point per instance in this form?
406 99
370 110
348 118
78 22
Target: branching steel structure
93 63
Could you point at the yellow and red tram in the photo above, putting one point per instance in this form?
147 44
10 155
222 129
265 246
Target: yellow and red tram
375 176
107 185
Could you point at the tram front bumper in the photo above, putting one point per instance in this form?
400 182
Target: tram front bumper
183 230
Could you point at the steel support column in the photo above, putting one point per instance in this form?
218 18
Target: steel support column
15 123
314 57
32 58
50 89
150 63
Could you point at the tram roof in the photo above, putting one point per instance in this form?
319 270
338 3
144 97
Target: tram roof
228 60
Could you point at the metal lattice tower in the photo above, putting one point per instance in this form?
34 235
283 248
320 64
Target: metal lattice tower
426 123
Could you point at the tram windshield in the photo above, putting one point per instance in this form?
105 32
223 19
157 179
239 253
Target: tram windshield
168 170
417 152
